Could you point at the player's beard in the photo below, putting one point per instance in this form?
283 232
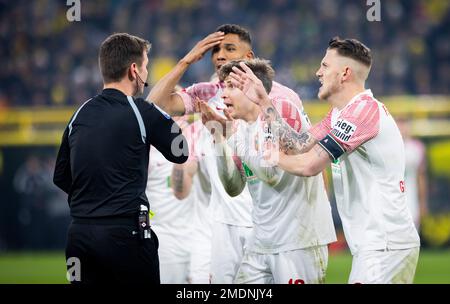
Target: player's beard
328 90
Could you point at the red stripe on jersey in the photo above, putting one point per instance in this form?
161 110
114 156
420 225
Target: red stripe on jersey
288 111
364 114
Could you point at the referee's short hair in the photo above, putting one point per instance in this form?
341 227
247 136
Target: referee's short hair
260 67
118 52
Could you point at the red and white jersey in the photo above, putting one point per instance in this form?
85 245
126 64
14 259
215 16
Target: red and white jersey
368 175
289 212
173 218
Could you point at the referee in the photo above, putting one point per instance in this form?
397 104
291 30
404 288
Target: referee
102 164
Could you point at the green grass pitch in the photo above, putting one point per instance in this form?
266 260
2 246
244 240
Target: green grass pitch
49 268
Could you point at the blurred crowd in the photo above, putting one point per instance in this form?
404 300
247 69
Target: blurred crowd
47 60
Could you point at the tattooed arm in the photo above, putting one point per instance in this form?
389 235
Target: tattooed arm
182 177
290 141
310 163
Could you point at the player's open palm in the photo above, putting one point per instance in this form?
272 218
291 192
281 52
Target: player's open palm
249 84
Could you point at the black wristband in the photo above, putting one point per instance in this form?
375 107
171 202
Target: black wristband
333 148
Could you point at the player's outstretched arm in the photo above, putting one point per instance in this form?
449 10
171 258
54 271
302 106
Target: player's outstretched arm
310 163
230 168
290 141
162 92
182 178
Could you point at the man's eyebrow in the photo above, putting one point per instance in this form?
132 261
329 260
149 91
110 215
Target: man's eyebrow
229 44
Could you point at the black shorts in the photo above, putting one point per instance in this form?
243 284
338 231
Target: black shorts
111 253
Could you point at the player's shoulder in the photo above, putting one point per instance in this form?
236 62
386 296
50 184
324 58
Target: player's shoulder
366 98
279 90
362 105
288 111
207 85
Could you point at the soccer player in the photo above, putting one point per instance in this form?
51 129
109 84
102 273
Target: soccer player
172 221
194 177
415 173
362 142
232 215
292 215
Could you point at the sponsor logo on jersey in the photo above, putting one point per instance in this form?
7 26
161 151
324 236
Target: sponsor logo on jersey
251 178
343 130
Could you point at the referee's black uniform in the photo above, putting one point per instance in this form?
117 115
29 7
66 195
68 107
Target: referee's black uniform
102 164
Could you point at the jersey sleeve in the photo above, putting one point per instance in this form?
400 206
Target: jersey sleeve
203 91
321 129
163 132
62 176
289 112
356 125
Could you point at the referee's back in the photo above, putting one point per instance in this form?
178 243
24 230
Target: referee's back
103 160
102 164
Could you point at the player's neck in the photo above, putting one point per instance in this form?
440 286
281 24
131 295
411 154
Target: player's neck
341 99
252 115
125 87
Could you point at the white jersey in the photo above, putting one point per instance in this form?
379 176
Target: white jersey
368 178
225 209
414 156
201 213
289 212
172 220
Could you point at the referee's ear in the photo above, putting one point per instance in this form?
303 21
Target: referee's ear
132 72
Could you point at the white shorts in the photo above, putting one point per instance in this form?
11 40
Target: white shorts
289 267
200 258
384 267
174 273
174 256
228 245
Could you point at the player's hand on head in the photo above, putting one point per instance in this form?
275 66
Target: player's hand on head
203 46
249 84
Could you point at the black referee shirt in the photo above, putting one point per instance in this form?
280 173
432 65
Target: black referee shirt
103 161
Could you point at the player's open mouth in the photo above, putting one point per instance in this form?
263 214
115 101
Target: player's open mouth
229 106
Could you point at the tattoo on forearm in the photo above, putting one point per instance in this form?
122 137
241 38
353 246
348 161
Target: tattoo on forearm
290 141
178 177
